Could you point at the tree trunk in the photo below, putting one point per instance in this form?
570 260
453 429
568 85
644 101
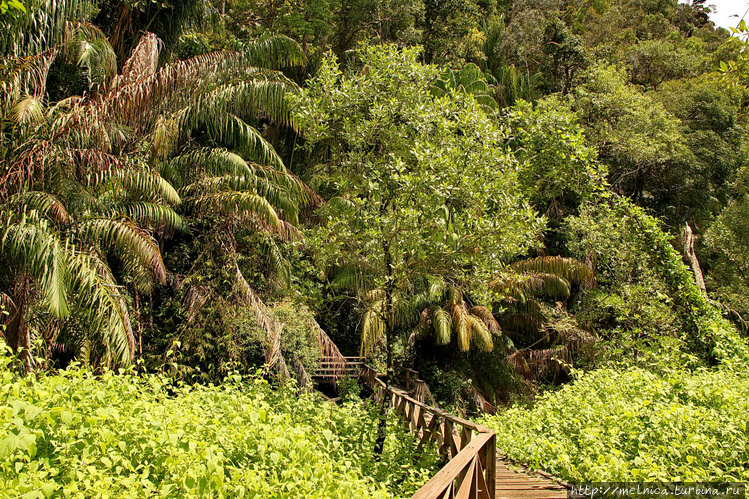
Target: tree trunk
689 254
16 333
388 312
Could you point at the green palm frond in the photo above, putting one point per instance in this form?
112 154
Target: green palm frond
351 276
236 203
232 131
469 80
30 245
215 162
264 94
461 326
140 182
574 271
274 52
521 286
134 246
443 323
275 194
278 263
103 305
480 334
86 46
152 214
373 332
44 203
41 27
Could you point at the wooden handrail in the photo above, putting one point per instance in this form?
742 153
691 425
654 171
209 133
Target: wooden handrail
470 448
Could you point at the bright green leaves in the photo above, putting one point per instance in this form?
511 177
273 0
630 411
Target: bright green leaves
422 186
633 425
125 436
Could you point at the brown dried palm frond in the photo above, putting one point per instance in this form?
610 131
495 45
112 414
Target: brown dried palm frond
531 363
329 350
195 297
268 322
479 401
143 62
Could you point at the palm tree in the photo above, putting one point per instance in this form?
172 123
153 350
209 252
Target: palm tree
84 174
546 335
446 314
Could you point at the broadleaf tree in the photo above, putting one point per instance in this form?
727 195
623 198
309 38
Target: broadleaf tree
418 186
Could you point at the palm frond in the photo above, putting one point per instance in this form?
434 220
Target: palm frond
41 27
32 246
143 62
152 214
44 203
480 334
233 203
486 315
443 323
278 263
134 246
105 309
231 130
141 182
274 52
461 326
28 111
574 271
373 332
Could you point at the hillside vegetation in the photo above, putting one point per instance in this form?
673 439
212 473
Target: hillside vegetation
536 204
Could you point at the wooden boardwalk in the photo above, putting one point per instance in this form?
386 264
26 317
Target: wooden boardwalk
473 469
516 482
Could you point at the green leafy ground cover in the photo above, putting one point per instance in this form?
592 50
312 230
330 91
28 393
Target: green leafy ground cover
72 434
635 425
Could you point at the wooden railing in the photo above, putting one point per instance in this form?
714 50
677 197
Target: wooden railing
469 448
332 368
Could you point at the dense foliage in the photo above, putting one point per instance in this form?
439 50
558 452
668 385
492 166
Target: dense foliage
636 425
494 193
118 435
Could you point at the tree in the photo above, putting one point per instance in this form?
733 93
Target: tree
639 141
417 186
84 176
